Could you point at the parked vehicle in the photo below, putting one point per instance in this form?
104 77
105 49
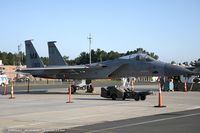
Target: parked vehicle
78 85
22 79
3 80
115 92
82 85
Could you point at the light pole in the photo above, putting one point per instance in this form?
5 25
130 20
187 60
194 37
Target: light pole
20 56
90 41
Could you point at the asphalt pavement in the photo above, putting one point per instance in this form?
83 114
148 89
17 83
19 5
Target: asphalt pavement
179 122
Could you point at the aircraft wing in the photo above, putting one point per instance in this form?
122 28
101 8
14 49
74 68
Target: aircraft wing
17 72
54 68
113 71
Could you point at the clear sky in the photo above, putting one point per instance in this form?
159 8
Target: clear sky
169 28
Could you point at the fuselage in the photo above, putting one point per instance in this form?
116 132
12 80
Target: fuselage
122 67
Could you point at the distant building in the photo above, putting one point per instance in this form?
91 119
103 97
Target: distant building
9 70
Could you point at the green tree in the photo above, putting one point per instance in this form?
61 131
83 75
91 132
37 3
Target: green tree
45 60
97 56
9 59
113 55
82 59
4 58
68 61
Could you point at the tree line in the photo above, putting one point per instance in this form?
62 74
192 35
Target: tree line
97 56
101 55
9 58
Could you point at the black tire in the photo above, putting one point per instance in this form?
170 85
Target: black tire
114 96
137 97
143 97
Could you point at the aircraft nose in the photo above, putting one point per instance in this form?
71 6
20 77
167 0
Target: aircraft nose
173 70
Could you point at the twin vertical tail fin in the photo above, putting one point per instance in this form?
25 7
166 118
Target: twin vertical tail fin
32 57
55 58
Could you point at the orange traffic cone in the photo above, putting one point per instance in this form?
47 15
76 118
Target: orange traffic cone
185 86
160 100
5 89
69 93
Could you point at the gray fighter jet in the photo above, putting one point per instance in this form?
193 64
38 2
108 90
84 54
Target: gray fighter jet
131 65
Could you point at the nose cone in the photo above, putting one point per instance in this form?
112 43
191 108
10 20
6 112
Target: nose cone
173 70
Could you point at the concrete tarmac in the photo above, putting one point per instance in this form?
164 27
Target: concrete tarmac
49 111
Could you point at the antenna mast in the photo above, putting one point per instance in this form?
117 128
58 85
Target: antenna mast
20 56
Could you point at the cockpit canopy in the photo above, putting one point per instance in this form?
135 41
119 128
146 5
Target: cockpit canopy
138 57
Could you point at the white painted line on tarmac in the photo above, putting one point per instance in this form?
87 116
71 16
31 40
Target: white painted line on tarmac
194 107
142 123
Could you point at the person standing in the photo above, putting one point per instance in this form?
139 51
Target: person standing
171 85
162 82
